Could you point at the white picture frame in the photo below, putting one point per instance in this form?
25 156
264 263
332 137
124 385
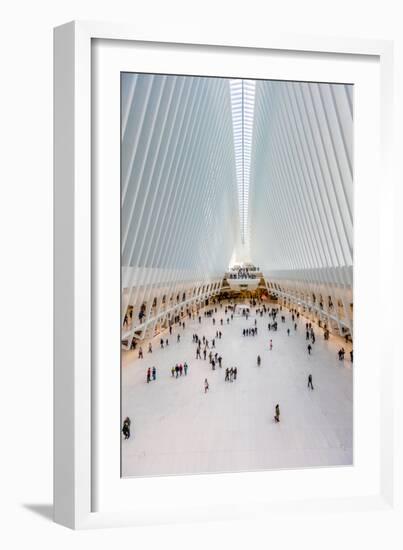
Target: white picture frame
77 471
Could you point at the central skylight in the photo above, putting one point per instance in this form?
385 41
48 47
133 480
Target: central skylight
243 104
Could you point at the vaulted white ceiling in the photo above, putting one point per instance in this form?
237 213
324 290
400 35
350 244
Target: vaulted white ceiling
213 167
301 192
179 187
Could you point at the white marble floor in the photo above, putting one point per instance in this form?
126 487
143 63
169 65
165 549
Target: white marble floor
178 429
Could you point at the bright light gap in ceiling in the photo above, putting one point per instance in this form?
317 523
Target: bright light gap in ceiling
242 105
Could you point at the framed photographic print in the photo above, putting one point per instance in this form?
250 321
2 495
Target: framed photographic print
214 204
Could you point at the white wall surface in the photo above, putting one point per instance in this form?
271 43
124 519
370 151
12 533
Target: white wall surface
26 248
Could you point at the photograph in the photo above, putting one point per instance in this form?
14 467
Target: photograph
203 204
236 297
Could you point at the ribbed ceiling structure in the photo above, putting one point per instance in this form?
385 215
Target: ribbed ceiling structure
302 195
212 167
179 194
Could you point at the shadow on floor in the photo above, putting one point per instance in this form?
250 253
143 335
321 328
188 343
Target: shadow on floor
44 510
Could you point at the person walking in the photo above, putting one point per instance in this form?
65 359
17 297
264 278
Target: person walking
180 369
309 349
173 371
126 427
235 372
140 353
258 360
206 385
277 413
271 345
310 385
185 368
198 356
288 332
148 375
177 370
178 338
150 348
154 373
226 375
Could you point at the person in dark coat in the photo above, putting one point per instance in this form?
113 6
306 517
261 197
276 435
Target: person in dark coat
126 427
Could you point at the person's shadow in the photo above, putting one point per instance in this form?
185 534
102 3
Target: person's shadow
43 510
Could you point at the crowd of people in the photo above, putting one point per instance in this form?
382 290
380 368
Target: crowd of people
251 331
179 369
204 346
151 374
230 374
242 273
